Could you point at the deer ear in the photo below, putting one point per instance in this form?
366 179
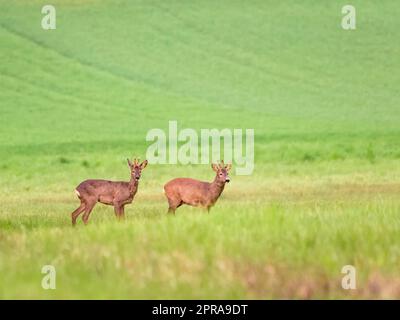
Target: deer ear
129 163
228 167
143 164
214 167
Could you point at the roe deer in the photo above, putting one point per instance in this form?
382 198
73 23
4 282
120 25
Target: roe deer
197 193
114 193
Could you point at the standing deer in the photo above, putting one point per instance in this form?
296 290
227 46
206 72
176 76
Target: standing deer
114 193
197 193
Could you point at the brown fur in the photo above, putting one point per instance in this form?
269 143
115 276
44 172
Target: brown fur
114 193
196 193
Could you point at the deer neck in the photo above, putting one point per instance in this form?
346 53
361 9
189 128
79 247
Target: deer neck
133 185
216 188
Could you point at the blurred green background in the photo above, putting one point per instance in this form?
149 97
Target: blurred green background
75 102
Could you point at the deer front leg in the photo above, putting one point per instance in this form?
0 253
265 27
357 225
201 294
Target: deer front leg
122 212
119 210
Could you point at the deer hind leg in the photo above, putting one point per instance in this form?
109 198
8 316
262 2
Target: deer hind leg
174 203
88 209
77 212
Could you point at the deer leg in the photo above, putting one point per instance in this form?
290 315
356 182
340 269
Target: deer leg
88 210
119 211
122 212
77 212
173 205
116 210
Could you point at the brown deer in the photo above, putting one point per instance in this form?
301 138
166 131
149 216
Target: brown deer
197 193
114 193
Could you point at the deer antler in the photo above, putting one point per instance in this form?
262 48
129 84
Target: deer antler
222 165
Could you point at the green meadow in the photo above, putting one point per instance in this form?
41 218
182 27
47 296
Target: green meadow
324 103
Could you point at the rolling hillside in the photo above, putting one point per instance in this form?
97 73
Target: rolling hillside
75 102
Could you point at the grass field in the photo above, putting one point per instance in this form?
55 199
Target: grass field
75 102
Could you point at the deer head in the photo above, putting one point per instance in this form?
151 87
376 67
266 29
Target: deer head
222 171
136 168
